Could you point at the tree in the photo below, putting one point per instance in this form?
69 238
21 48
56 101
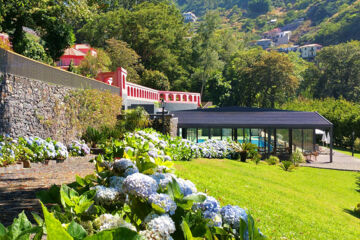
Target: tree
260 78
155 79
92 65
259 6
33 49
44 16
206 47
154 30
339 72
122 55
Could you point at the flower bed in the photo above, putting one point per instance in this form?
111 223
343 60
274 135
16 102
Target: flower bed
36 149
135 195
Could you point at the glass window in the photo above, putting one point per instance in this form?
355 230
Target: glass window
227 134
282 140
240 135
191 134
203 134
247 134
216 133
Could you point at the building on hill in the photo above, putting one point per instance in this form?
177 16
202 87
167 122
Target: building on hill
189 17
265 43
272 33
75 54
309 51
287 49
4 37
282 38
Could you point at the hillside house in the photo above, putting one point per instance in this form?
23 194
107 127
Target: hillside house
75 54
265 43
282 38
189 17
309 51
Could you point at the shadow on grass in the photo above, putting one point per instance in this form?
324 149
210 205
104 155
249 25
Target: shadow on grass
352 212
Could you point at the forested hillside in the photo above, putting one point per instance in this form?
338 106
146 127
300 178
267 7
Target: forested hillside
322 21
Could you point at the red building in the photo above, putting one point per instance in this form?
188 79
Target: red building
76 54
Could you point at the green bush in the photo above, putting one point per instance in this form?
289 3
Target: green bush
357 144
272 160
133 119
297 157
287 166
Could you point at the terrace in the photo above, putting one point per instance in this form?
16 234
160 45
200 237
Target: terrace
275 132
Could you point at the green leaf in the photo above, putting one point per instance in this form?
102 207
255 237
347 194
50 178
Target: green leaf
37 219
54 229
67 195
123 233
3 230
49 196
186 230
76 231
173 189
18 226
104 235
80 181
195 198
157 208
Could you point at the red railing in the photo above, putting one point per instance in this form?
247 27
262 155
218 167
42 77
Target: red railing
136 91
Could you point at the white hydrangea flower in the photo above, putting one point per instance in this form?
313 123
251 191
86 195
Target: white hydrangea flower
108 221
158 227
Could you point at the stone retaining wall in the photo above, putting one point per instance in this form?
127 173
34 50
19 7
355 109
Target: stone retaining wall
29 108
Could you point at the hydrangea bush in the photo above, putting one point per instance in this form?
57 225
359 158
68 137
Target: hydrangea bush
34 149
135 194
78 148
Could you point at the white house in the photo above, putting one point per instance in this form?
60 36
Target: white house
309 50
189 17
282 38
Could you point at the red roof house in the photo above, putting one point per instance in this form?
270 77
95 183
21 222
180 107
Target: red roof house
76 54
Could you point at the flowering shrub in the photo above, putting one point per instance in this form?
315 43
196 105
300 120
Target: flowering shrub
78 148
30 148
135 194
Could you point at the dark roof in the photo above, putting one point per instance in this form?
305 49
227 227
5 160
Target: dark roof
237 117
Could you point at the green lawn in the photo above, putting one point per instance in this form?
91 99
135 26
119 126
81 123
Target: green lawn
347 152
306 204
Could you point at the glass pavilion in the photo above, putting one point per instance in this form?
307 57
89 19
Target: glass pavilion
275 132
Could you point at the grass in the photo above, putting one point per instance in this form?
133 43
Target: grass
347 152
304 204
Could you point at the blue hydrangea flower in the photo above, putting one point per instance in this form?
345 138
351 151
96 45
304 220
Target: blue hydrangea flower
125 167
106 196
186 186
164 201
139 185
116 182
210 209
163 179
231 215
152 154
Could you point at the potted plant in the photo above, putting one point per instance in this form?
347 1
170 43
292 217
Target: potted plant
247 150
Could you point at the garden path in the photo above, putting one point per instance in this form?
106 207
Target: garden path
18 189
341 161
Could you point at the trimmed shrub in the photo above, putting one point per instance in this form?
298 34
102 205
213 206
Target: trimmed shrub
297 157
272 160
